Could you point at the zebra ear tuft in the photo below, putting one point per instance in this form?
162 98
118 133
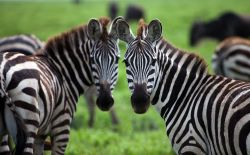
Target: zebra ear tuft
123 31
94 29
154 30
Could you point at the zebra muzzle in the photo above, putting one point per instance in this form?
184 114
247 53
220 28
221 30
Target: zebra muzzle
140 99
105 101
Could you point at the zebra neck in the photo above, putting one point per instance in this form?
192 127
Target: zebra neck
69 54
179 74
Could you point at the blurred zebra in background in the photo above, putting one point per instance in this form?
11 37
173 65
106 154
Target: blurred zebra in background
232 59
23 43
203 113
44 88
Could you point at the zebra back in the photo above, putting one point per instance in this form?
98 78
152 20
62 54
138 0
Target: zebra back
26 44
232 59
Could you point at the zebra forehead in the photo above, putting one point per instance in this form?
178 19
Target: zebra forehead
138 51
140 46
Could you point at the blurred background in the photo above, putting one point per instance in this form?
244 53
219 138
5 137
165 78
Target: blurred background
135 134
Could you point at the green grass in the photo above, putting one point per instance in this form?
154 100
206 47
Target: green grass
136 134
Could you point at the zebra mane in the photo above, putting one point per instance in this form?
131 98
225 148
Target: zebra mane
104 22
60 39
199 60
141 28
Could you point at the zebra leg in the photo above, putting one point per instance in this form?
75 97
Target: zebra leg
31 127
114 118
60 134
91 108
4 147
39 145
31 137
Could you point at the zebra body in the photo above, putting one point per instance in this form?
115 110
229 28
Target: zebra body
203 113
44 88
232 59
30 44
26 44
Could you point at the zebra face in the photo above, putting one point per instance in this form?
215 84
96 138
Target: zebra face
141 62
104 58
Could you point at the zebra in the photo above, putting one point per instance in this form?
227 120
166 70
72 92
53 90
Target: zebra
24 43
232 58
42 89
203 113
29 44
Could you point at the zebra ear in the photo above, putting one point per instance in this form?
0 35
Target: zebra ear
113 31
123 31
154 30
94 29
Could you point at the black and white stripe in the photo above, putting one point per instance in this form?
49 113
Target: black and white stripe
30 44
26 44
44 88
232 59
204 114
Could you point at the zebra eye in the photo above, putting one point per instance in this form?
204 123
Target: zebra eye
126 62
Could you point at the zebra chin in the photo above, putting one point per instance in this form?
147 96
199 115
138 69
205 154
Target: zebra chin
140 99
104 101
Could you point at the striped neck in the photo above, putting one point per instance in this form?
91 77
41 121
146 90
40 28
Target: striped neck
69 54
178 72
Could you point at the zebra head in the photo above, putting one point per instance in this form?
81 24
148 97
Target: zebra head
104 58
141 61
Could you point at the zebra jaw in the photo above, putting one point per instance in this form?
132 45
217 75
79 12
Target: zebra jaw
140 99
104 100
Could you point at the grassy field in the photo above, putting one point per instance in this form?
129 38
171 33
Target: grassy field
136 134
